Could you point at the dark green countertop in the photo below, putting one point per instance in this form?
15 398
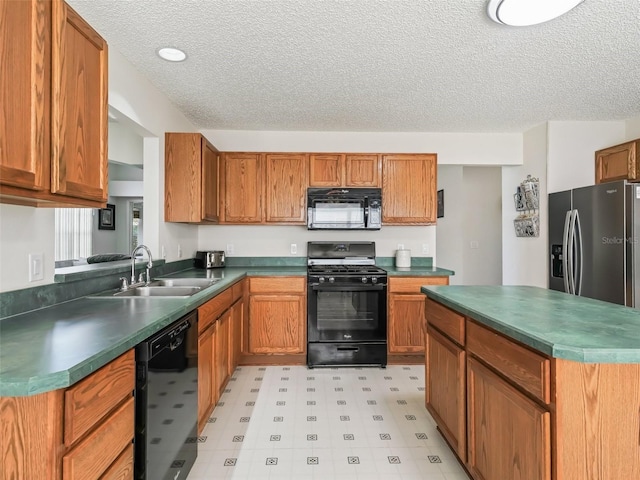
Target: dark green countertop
554 323
417 271
55 347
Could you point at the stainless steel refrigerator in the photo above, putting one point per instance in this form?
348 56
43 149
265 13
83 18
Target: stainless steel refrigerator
594 242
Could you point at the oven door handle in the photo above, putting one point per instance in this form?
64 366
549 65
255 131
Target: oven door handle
348 288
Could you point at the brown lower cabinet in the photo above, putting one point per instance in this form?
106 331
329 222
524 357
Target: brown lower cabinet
405 318
81 432
509 434
277 319
445 389
510 412
219 325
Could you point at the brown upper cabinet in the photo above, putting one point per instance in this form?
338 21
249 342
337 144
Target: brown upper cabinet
53 147
344 170
618 163
270 188
192 186
286 180
242 184
409 189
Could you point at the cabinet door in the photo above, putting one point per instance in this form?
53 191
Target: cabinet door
25 93
617 163
509 435
78 107
362 170
205 376
222 351
277 323
237 318
210 182
409 189
326 170
286 188
406 316
445 389
182 170
243 188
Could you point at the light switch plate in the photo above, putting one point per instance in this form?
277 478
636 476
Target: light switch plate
294 249
36 267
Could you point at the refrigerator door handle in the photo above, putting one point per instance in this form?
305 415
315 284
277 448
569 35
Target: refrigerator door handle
579 269
571 242
567 252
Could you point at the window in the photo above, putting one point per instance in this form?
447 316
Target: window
73 233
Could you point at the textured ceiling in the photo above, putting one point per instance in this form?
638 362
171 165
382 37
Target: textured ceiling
376 65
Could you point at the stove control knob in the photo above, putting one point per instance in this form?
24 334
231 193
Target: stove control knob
364 279
331 279
321 279
374 280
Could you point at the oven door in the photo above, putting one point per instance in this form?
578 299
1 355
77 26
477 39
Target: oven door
347 313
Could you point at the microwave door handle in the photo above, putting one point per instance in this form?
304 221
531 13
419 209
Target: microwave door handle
366 212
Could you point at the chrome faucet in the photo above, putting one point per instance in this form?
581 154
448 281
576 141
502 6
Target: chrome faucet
141 280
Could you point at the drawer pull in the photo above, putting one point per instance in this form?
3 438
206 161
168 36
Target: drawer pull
348 349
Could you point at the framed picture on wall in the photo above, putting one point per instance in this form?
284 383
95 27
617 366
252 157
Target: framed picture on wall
107 217
440 203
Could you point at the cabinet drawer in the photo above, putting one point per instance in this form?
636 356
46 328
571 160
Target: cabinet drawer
98 451
90 400
122 468
238 290
413 284
446 320
208 312
526 368
277 284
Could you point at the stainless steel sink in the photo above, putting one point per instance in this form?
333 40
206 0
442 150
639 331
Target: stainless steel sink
157 291
184 282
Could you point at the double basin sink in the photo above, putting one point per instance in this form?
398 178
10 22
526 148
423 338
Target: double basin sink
164 287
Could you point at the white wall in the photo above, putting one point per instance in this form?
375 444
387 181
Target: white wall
452 148
449 238
632 129
524 259
125 145
571 151
482 220
276 241
25 230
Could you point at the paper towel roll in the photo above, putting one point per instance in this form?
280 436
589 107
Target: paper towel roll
403 258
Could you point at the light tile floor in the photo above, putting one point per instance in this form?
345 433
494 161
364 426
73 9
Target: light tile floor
338 423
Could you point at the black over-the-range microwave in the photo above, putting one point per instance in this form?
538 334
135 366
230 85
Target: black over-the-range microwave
344 208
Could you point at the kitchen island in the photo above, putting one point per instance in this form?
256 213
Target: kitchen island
530 383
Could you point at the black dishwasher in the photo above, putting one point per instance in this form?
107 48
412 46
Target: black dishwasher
166 437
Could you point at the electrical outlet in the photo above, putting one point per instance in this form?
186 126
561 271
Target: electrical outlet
36 267
179 251
401 246
474 244
294 249
230 249
163 252
425 248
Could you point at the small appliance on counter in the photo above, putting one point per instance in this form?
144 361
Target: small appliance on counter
403 258
209 259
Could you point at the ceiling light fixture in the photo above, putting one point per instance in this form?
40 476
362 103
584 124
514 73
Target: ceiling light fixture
522 13
172 54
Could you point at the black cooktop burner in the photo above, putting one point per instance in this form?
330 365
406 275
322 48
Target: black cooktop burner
345 269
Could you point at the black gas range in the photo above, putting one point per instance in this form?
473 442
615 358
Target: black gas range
346 305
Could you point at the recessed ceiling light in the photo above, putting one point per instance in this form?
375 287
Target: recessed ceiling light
521 13
172 54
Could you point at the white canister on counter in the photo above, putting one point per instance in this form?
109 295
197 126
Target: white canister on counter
403 258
